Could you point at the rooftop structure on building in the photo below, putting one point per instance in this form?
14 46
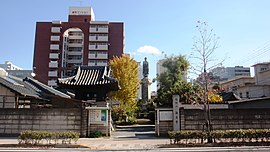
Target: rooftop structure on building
60 47
262 73
16 71
9 66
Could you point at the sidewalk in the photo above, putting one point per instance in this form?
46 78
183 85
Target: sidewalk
123 143
108 143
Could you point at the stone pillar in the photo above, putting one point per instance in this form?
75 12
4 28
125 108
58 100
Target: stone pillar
145 84
176 119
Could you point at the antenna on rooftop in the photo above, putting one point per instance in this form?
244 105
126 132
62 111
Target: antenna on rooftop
80 3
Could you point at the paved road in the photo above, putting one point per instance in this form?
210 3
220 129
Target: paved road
196 149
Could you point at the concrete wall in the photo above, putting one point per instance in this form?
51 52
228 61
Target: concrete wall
13 121
254 91
262 73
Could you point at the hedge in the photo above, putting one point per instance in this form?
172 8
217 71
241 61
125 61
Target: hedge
39 137
250 135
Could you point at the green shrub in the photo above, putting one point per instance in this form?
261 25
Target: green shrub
96 134
229 135
36 137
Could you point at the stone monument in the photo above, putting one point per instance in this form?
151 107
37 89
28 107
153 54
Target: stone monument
145 84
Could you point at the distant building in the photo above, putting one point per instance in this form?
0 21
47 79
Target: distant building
232 85
60 47
249 87
9 66
160 67
21 73
16 71
140 77
226 73
262 73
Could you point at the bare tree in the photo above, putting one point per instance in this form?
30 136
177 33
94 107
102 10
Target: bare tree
203 48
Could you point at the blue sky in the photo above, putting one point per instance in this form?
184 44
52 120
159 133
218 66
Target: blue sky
151 27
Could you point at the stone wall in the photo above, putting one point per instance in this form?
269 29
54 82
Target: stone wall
163 127
13 121
222 119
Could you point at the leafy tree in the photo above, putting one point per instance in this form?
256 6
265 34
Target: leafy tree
125 70
173 81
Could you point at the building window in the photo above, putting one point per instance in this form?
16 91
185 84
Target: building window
247 95
240 94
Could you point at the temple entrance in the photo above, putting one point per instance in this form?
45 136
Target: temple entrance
143 129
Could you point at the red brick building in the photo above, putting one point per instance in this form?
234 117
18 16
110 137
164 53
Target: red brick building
62 46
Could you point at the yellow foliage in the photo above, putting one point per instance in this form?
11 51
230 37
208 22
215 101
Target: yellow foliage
214 98
125 70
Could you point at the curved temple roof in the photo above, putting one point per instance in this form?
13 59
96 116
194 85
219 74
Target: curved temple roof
90 76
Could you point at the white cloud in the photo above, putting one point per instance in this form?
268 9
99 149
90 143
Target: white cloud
148 49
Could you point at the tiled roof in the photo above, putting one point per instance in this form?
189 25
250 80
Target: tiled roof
40 87
30 87
90 76
18 86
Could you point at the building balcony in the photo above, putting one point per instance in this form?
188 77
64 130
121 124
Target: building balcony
98 56
74 53
97 63
54 47
53 74
53 64
56 30
54 56
74 61
55 38
98 47
75 44
52 83
91 64
80 37
99 22
102 63
56 22
98 38
98 29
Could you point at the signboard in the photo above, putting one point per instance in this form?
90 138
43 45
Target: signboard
176 120
165 115
98 116
103 115
80 11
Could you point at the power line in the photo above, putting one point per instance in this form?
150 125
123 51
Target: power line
255 54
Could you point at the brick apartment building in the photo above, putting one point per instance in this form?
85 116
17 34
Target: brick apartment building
62 46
